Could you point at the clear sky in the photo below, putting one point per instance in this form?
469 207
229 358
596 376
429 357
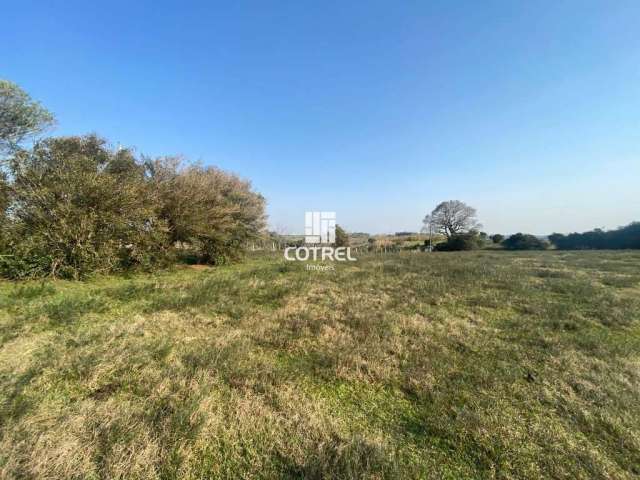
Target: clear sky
528 111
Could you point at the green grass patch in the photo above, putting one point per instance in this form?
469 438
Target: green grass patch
488 364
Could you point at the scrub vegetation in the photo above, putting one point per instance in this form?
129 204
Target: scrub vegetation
484 364
71 207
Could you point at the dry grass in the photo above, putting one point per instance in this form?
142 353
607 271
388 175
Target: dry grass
461 365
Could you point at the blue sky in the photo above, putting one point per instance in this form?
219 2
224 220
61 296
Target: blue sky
528 111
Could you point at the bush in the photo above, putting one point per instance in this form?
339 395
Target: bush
497 238
71 206
523 241
77 208
459 242
211 212
342 237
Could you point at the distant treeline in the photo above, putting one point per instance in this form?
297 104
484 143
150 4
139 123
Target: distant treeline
622 238
627 237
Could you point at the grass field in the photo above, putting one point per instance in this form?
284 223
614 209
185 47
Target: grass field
448 365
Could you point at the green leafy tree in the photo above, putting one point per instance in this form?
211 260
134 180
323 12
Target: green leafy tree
20 116
497 238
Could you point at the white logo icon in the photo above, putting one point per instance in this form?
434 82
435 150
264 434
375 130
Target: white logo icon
319 230
320 227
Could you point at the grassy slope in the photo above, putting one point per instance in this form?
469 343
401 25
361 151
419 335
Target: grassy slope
470 365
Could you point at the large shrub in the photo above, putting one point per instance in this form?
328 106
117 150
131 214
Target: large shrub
342 237
459 242
77 207
523 241
71 206
209 212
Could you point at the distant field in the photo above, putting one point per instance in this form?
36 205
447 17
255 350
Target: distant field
448 365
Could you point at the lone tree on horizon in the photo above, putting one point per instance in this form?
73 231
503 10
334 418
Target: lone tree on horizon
453 217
